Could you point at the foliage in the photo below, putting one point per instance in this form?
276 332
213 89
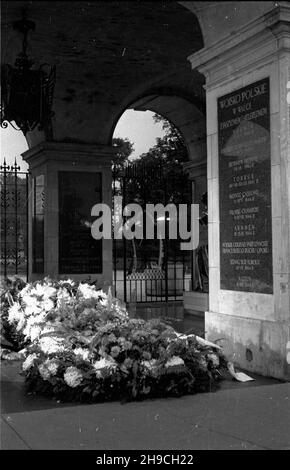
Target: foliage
124 150
157 176
83 346
160 170
172 141
9 291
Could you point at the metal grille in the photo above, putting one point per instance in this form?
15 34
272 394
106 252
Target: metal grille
14 221
151 270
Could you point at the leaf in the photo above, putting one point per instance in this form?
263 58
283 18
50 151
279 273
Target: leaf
9 298
135 368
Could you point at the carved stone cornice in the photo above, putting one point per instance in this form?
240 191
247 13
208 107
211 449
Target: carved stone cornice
252 45
73 153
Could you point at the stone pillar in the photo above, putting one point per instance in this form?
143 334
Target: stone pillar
66 181
248 146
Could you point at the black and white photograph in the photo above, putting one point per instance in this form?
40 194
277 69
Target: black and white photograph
145 231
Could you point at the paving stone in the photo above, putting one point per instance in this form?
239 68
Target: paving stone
250 418
9 440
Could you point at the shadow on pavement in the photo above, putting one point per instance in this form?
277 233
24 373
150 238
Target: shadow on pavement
14 398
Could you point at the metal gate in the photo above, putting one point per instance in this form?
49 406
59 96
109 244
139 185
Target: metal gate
14 221
151 270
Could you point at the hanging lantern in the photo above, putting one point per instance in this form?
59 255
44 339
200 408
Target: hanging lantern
26 93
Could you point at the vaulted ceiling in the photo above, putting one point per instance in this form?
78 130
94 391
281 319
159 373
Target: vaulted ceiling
108 55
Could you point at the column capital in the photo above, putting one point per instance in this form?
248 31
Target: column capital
254 44
195 169
71 153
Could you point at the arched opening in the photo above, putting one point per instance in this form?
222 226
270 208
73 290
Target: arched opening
185 113
154 271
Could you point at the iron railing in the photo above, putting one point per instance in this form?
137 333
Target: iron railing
14 221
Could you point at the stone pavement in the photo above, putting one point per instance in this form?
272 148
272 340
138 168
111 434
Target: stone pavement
253 415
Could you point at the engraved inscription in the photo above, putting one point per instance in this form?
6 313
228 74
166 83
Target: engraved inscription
245 189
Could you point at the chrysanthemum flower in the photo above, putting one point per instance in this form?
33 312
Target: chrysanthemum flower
30 302
111 338
127 345
115 351
128 362
44 372
105 363
51 365
33 326
73 377
47 305
15 313
87 291
83 353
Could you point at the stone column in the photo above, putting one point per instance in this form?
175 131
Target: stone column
66 181
252 317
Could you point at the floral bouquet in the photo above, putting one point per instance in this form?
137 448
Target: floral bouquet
48 306
83 346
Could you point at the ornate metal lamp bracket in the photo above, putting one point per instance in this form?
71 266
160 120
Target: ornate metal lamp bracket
26 93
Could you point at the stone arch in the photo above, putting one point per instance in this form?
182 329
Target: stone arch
186 112
217 19
106 51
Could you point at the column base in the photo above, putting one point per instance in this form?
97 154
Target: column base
195 301
258 346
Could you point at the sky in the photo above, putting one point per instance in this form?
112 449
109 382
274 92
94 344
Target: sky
137 126
140 129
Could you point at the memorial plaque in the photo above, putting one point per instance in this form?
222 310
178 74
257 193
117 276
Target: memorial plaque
79 252
245 189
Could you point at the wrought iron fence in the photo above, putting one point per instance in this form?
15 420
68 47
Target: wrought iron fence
14 221
151 270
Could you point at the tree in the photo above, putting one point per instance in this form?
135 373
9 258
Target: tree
168 154
125 149
158 176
